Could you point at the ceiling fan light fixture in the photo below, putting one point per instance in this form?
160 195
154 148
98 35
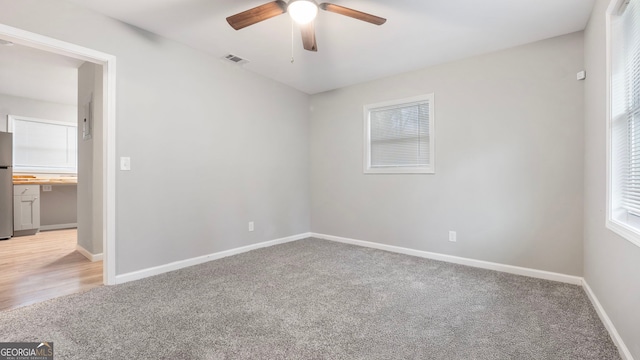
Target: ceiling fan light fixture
302 11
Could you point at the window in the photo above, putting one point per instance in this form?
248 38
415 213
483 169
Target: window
624 126
399 136
43 146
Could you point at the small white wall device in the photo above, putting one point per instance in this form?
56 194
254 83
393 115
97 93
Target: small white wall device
581 75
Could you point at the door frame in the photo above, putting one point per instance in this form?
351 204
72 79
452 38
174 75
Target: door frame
108 62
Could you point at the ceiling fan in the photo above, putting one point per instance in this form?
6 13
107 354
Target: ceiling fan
302 12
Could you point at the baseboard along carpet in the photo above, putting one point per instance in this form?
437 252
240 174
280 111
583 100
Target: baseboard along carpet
315 299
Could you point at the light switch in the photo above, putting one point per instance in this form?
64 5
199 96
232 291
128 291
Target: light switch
125 163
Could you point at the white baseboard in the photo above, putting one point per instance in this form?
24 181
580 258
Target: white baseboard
156 270
58 226
540 274
87 254
625 354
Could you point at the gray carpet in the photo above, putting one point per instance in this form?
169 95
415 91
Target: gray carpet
314 299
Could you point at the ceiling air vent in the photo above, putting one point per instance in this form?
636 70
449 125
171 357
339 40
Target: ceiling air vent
236 59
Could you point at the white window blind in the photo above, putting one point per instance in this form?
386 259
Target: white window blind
43 146
625 119
628 104
399 136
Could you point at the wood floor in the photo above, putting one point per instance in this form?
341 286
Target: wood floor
44 266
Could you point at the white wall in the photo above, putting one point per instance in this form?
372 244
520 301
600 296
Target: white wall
612 264
212 146
12 105
90 159
509 145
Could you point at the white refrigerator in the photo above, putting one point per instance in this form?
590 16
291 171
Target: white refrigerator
6 185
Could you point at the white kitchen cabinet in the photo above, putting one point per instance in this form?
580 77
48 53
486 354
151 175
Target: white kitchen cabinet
26 207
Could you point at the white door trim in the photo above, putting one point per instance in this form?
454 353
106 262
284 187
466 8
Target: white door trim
108 62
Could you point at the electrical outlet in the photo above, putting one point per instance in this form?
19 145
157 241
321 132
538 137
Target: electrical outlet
452 236
46 187
581 75
251 226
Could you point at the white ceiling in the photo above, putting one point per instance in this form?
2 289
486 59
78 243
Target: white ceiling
418 33
39 75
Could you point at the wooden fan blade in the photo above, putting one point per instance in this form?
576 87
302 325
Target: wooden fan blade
257 14
309 37
376 20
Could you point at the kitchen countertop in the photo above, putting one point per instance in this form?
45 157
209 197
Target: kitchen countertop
44 181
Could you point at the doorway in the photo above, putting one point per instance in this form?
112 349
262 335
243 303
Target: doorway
106 160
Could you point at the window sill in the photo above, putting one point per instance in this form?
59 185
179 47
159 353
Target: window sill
400 170
625 231
40 171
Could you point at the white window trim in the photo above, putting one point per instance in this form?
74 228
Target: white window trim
621 228
367 169
10 127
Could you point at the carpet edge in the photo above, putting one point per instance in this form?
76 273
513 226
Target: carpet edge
176 265
511 269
